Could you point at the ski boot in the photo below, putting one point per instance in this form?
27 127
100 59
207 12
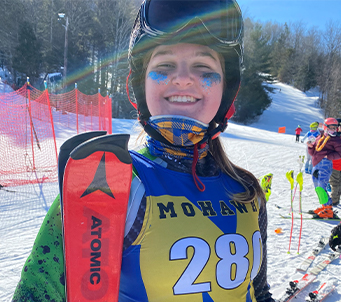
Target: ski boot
326 212
315 211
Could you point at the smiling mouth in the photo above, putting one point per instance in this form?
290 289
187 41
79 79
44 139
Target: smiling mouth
182 99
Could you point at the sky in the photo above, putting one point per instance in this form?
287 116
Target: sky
258 148
311 12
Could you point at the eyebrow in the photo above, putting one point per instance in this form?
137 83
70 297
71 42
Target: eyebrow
162 52
197 54
205 54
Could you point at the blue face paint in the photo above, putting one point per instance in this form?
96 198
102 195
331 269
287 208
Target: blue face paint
159 77
210 78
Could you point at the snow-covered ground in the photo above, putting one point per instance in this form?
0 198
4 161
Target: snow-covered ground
4 75
258 148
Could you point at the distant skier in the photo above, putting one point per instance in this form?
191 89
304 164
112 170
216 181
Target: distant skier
311 136
324 150
298 131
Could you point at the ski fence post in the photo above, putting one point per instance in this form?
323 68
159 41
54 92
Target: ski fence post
76 93
109 113
51 119
29 108
99 109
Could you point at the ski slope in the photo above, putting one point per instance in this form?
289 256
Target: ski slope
257 147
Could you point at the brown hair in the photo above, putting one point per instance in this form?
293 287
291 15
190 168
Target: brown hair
242 176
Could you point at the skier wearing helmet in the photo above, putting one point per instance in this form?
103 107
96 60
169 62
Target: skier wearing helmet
185 75
196 225
311 136
298 131
335 183
323 151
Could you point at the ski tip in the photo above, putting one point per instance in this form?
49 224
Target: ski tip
114 143
80 138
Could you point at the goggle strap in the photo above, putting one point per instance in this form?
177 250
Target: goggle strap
231 111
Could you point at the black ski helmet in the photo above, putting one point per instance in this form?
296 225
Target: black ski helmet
217 24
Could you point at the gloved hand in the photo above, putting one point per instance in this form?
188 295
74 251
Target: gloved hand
335 237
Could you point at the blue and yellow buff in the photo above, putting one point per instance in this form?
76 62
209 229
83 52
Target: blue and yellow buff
181 132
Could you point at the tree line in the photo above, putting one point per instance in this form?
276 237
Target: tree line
293 54
33 40
33 43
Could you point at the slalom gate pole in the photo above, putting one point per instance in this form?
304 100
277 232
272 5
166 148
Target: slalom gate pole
290 177
299 239
299 180
292 227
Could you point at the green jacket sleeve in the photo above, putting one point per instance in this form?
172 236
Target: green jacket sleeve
42 277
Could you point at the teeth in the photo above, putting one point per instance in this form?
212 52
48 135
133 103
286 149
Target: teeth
182 99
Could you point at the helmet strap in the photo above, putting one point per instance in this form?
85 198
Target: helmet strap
127 88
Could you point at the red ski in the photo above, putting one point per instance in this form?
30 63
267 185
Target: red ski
96 188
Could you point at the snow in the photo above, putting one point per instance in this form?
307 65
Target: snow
4 76
257 147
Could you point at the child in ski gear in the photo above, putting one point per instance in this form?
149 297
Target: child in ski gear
298 131
192 212
335 237
335 178
311 136
324 150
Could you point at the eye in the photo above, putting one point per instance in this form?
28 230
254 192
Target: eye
165 65
201 65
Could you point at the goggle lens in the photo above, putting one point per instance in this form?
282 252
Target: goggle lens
222 18
332 127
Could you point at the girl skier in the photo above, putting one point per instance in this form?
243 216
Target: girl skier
311 136
196 224
324 150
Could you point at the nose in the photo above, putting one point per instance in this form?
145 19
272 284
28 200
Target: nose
183 76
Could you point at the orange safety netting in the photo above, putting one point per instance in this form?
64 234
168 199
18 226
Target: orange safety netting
28 118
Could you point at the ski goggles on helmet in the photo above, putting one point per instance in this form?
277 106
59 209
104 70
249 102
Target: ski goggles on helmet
222 19
332 127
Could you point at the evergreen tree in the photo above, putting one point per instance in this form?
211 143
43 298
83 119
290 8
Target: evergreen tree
305 77
253 96
27 57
